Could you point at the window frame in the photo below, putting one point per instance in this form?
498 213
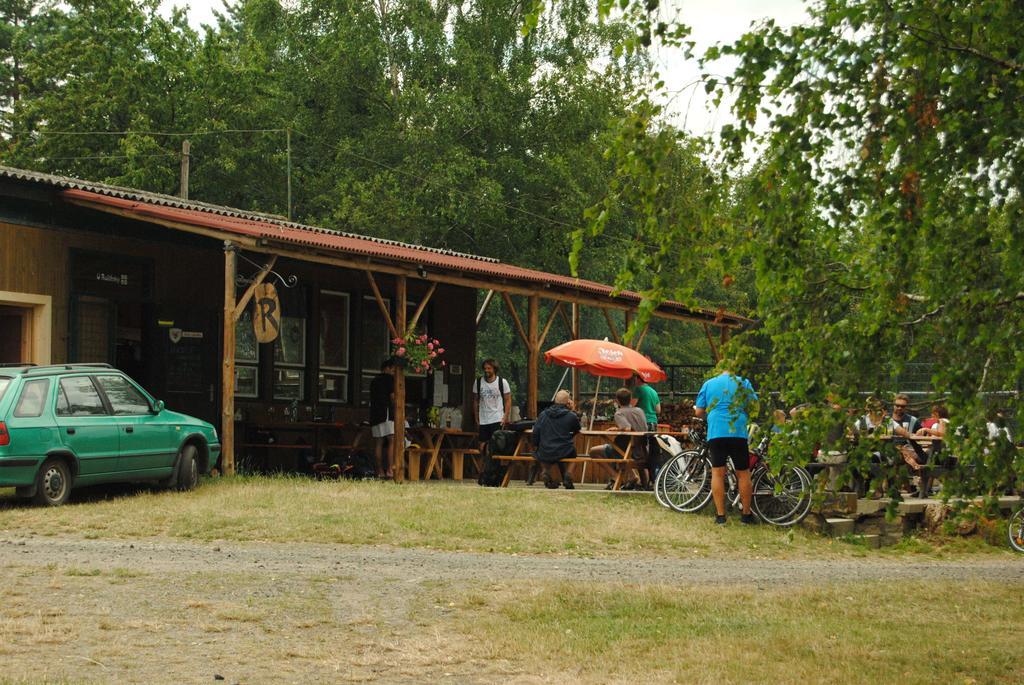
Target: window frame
95 386
343 372
245 363
21 395
291 366
110 403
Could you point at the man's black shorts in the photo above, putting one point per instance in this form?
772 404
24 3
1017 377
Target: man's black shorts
487 430
736 449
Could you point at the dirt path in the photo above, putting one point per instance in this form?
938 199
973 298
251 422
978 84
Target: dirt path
168 611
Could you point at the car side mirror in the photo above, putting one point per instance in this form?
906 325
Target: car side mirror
158 406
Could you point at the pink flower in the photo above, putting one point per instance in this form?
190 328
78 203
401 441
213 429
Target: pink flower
440 350
430 346
423 338
444 363
400 351
433 354
397 341
425 363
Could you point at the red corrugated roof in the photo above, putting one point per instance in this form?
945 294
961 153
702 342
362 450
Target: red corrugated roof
349 244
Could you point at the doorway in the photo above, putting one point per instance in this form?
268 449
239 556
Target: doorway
14 338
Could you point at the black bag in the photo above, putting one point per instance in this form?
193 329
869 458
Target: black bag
502 442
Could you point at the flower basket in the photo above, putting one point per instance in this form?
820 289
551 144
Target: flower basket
418 353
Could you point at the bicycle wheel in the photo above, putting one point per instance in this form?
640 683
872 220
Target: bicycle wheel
782 500
687 484
659 483
1016 532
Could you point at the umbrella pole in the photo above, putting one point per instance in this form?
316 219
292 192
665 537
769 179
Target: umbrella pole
593 413
560 384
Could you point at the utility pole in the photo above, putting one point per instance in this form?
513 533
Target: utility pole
288 133
185 147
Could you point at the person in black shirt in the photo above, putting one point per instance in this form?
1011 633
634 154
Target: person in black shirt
554 438
382 424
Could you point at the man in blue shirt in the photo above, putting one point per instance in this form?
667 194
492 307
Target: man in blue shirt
725 400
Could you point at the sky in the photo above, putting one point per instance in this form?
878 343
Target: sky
715 21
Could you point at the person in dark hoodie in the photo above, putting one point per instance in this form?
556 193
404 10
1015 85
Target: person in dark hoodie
553 438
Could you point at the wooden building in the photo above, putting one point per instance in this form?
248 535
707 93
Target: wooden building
162 287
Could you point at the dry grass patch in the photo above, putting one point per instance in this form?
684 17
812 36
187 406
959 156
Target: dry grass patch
436 515
862 632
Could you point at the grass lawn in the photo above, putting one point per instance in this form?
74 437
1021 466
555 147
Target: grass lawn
859 632
441 516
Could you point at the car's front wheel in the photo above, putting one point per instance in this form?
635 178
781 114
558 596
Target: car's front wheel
53 483
188 468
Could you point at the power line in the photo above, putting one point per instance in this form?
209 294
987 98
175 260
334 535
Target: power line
170 134
64 159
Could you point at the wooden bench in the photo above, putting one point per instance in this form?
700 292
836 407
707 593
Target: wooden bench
458 456
520 458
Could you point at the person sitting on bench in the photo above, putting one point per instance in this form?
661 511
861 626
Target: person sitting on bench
627 418
554 438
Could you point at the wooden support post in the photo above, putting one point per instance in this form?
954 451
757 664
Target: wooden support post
568 321
611 325
227 383
422 306
483 308
574 331
643 334
515 319
547 327
399 436
384 307
533 350
711 343
627 319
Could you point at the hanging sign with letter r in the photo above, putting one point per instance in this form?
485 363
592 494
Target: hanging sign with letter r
266 319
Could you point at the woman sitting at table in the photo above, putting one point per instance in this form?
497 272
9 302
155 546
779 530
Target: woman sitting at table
630 419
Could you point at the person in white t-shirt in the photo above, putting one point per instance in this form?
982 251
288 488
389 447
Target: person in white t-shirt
492 401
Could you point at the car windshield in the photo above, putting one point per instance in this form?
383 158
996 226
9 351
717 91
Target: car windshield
4 382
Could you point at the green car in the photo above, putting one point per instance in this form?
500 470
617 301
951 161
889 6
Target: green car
85 424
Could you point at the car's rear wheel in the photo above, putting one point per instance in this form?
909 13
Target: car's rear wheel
188 468
53 483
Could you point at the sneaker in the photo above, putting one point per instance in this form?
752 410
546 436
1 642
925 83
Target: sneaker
567 483
748 519
720 520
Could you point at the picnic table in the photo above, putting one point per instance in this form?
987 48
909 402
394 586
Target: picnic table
292 437
437 443
591 438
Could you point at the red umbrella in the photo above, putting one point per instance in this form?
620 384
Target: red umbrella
603 358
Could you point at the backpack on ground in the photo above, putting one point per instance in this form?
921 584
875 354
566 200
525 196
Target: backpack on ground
502 442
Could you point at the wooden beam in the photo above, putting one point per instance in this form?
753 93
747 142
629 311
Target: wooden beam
515 319
568 322
422 306
269 246
257 279
533 370
384 307
399 435
711 343
611 325
574 331
483 308
227 380
547 326
643 334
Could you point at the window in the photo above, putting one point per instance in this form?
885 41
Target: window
33 398
77 396
334 320
375 344
290 359
4 382
125 398
247 357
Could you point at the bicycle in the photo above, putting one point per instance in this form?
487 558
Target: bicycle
1016 531
684 483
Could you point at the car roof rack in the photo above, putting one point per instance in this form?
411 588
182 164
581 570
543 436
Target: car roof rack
54 368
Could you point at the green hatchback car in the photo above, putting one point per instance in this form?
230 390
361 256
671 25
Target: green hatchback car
83 424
